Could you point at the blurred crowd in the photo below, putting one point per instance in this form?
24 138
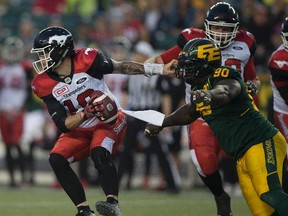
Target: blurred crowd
122 30
158 22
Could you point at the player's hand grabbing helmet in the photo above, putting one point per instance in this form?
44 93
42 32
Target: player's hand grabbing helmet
12 50
284 33
221 15
199 58
52 45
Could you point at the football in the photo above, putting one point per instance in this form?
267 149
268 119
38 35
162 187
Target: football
110 112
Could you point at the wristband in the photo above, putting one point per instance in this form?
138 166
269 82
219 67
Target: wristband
153 69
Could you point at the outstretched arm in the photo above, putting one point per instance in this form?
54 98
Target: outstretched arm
148 69
182 116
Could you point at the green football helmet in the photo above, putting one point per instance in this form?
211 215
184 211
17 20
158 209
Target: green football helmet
199 58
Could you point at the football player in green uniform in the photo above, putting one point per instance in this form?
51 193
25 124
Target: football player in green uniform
221 98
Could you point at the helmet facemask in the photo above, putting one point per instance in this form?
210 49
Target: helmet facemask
192 68
45 62
222 39
46 58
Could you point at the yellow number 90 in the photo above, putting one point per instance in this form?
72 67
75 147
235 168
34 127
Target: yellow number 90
223 72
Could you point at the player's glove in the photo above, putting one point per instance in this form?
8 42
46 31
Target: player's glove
252 88
205 96
91 109
88 112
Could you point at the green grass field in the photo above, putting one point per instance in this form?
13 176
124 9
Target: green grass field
44 201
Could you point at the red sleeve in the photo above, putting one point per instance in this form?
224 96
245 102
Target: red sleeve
171 54
249 70
249 39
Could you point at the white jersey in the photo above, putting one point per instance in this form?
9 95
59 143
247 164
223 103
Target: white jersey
13 87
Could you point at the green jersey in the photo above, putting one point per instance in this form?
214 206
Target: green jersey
237 125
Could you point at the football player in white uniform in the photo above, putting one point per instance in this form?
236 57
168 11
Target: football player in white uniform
237 50
278 66
67 78
13 96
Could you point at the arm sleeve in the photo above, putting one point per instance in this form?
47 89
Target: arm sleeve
57 113
250 70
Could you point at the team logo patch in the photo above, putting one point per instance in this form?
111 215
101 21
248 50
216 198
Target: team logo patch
61 91
82 80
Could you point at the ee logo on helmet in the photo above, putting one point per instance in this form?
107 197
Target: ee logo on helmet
209 52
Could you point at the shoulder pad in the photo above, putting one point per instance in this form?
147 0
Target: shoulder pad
279 60
189 34
84 58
